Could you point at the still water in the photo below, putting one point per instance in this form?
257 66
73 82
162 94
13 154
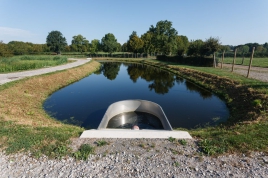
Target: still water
186 105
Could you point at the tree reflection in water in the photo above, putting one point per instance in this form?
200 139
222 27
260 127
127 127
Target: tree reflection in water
160 81
109 70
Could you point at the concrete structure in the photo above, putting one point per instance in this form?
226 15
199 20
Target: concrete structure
134 105
130 106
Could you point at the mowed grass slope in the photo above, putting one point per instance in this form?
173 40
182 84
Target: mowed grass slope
25 125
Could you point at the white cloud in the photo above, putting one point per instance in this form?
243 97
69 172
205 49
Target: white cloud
14 34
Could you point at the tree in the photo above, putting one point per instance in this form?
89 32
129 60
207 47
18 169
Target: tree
225 48
266 46
195 48
210 46
19 47
94 46
243 50
56 42
80 43
109 43
118 47
164 36
134 43
4 50
147 39
124 47
182 45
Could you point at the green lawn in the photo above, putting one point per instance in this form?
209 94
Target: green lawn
257 62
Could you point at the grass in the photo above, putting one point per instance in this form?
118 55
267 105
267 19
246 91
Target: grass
24 124
257 62
171 139
183 142
26 127
19 63
247 99
83 152
102 143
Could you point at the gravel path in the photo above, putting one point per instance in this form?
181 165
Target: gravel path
258 73
137 158
8 77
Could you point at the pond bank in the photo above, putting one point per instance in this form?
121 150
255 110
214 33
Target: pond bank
133 157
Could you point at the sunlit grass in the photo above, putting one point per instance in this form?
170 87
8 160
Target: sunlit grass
20 63
24 124
258 62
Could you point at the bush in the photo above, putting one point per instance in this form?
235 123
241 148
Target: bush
192 61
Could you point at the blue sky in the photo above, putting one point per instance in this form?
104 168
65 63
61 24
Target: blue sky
233 21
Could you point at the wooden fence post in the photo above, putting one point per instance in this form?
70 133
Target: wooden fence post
214 60
234 60
222 58
250 62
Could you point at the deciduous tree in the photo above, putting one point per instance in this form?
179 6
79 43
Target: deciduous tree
182 44
164 36
109 43
195 48
210 46
4 50
148 45
80 43
95 46
243 50
134 43
56 41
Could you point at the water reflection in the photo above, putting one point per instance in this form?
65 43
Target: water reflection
109 70
84 103
160 81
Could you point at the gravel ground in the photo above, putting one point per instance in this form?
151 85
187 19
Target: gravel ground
258 73
137 158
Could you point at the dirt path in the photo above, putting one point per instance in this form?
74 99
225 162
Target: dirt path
8 77
258 73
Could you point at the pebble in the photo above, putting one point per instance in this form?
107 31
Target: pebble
136 162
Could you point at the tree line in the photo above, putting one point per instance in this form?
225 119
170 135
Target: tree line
161 39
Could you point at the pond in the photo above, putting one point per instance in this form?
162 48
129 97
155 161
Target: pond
186 105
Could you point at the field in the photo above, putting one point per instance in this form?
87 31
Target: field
20 63
257 62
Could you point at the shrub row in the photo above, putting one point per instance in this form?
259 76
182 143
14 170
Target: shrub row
192 61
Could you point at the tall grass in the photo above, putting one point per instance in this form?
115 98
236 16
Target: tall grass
19 63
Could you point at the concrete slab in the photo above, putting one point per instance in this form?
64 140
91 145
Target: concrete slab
124 133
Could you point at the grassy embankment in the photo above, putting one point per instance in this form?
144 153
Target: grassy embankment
19 63
24 124
247 99
27 127
257 62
